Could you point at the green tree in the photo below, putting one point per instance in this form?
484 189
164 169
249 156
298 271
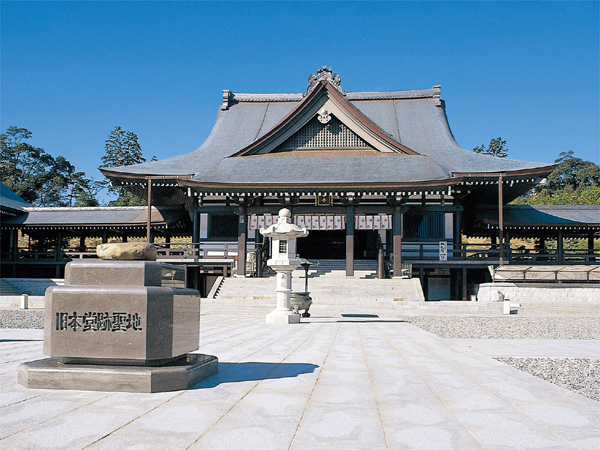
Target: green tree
573 182
35 175
574 172
496 148
82 191
122 149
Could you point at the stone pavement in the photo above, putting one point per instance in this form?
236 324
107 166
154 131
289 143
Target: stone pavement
531 348
327 383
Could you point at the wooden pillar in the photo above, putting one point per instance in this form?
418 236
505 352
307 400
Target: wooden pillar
258 261
14 244
500 219
464 283
149 219
104 236
422 281
82 242
196 230
397 242
350 240
590 254
58 252
242 241
456 232
507 245
560 252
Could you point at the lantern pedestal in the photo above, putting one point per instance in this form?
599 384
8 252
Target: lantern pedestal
283 261
283 313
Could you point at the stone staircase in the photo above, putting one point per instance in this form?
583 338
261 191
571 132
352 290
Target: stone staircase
333 293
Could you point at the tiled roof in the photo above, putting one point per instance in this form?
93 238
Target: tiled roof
11 201
543 215
94 216
416 119
324 167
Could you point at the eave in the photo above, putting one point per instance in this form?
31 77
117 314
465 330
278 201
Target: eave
260 187
136 176
542 171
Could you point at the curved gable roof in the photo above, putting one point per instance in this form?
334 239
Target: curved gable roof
324 95
412 122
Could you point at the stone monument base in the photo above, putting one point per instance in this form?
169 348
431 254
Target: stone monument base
279 316
51 374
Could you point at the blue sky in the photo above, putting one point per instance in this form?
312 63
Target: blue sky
72 71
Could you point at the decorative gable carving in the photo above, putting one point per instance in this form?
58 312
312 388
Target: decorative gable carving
323 73
319 135
311 125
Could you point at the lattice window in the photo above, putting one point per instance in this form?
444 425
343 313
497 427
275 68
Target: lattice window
283 247
316 135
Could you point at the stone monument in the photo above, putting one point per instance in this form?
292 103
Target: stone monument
283 260
120 324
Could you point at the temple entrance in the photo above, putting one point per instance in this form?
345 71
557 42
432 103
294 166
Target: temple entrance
331 244
321 244
365 244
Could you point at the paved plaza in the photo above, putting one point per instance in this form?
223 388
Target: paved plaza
327 383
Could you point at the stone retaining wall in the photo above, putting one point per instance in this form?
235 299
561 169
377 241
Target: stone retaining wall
14 301
540 293
35 286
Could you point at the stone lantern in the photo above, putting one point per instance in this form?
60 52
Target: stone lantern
283 260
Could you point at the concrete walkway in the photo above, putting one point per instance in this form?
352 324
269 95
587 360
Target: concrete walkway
329 383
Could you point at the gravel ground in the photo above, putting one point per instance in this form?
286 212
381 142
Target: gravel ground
579 375
509 327
16 318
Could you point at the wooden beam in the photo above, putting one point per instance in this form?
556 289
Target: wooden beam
350 240
397 242
149 220
500 220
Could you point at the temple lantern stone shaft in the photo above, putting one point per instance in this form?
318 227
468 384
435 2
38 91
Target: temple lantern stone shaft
283 260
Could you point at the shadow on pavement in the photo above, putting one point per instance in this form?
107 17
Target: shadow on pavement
255 371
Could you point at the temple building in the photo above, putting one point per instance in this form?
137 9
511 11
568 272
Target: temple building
361 170
368 173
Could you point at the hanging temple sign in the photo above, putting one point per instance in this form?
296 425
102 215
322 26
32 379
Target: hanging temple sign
324 73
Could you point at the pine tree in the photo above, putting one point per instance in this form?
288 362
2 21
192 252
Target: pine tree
496 148
123 149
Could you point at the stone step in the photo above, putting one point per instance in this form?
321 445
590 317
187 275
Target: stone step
397 309
7 289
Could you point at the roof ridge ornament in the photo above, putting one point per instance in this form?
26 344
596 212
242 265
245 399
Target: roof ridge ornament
324 73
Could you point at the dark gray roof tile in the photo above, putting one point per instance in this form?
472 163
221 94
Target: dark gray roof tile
11 201
411 117
94 216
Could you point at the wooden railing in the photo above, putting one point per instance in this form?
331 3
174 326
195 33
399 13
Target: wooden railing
429 251
258 254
